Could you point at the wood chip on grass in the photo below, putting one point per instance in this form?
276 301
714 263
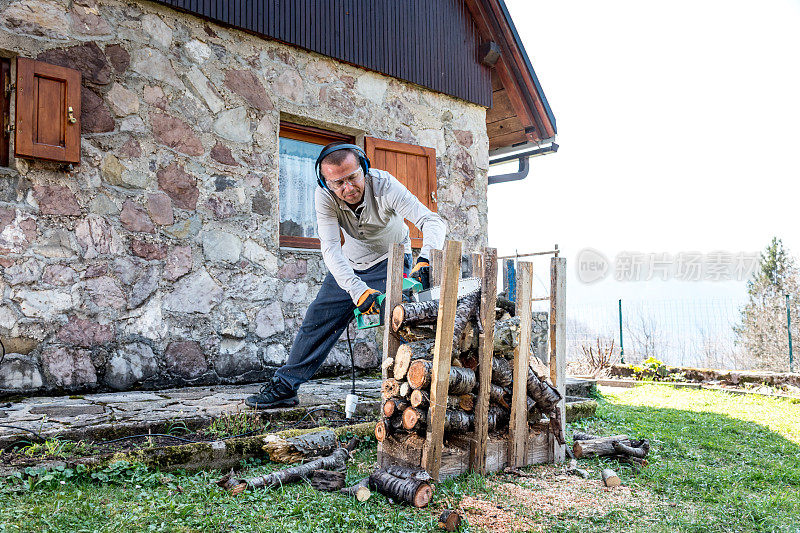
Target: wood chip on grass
514 503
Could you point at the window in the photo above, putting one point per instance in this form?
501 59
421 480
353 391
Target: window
5 110
298 149
413 166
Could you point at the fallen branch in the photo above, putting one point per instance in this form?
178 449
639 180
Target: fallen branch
599 446
360 491
327 480
335 461
640 452
295 449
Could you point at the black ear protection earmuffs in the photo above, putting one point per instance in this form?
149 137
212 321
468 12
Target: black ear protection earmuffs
362 159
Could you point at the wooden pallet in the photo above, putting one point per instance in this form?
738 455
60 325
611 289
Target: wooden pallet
477 451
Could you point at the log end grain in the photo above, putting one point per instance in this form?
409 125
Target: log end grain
610 478
423 495
449 520
381 430
398 315
418 374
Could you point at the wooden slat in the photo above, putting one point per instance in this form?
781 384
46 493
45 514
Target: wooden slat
558 339
501 107
485 266
518 423
504 127
435 261
5 111
394 295
440 375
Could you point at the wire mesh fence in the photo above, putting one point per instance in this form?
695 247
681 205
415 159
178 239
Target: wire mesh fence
682 332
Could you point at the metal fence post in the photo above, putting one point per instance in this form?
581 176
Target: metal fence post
789 330
621 348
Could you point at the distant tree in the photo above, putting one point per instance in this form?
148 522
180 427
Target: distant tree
762 332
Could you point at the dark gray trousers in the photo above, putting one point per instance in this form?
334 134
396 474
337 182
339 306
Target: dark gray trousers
325 320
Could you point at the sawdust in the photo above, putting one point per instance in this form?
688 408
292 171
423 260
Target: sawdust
522 504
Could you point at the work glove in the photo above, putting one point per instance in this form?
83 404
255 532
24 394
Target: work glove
422 272
368 302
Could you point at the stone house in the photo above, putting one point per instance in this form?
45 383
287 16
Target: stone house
156 181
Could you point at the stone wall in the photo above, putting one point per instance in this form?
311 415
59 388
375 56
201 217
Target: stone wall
155 262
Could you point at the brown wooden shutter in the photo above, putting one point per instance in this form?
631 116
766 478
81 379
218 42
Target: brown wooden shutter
413 166
5 110
45 126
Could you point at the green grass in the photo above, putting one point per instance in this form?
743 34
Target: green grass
718 463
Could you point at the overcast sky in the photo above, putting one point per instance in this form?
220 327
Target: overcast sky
679 131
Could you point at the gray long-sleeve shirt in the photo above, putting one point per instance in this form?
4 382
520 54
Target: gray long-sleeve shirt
379 224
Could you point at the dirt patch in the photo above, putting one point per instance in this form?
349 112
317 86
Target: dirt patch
520 504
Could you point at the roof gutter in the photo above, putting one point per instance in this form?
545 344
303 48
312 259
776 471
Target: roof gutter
524 164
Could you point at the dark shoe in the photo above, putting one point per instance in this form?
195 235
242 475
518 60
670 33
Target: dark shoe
273 394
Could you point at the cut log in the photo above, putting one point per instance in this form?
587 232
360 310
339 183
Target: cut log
413 419
506 336
449 520
410 490
468 360
327 480
390 388
500 396
610 478
466 402
416 313
388 426
394 405
360 491
506 305
295 449
409 352
543 393
419 398
600 446
405 472
502 373
639 452
335 461
413 334
455 420
405 389
635 462
498 418
462 380
583 436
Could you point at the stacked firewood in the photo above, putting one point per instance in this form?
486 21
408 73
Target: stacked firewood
406 391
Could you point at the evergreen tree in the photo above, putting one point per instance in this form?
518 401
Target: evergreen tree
762 332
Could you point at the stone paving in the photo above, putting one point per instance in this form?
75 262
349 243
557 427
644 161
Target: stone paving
110 415
107 415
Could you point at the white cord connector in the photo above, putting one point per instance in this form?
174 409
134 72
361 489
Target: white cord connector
350 404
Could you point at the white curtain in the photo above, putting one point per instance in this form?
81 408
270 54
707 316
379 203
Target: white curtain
296 184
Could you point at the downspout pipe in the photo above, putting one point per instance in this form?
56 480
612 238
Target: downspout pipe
524 164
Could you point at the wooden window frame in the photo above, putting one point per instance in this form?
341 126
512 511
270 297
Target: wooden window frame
312 135
5 111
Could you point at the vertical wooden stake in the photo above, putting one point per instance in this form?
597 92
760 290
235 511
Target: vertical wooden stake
518 424
440 374
436 267
558 340
485 266
394 295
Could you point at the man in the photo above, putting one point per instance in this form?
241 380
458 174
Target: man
367 206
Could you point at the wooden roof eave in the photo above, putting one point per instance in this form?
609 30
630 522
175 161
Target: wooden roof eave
493 24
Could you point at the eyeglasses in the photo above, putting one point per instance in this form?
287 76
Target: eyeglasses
352 179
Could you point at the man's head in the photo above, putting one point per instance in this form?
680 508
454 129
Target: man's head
343 174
